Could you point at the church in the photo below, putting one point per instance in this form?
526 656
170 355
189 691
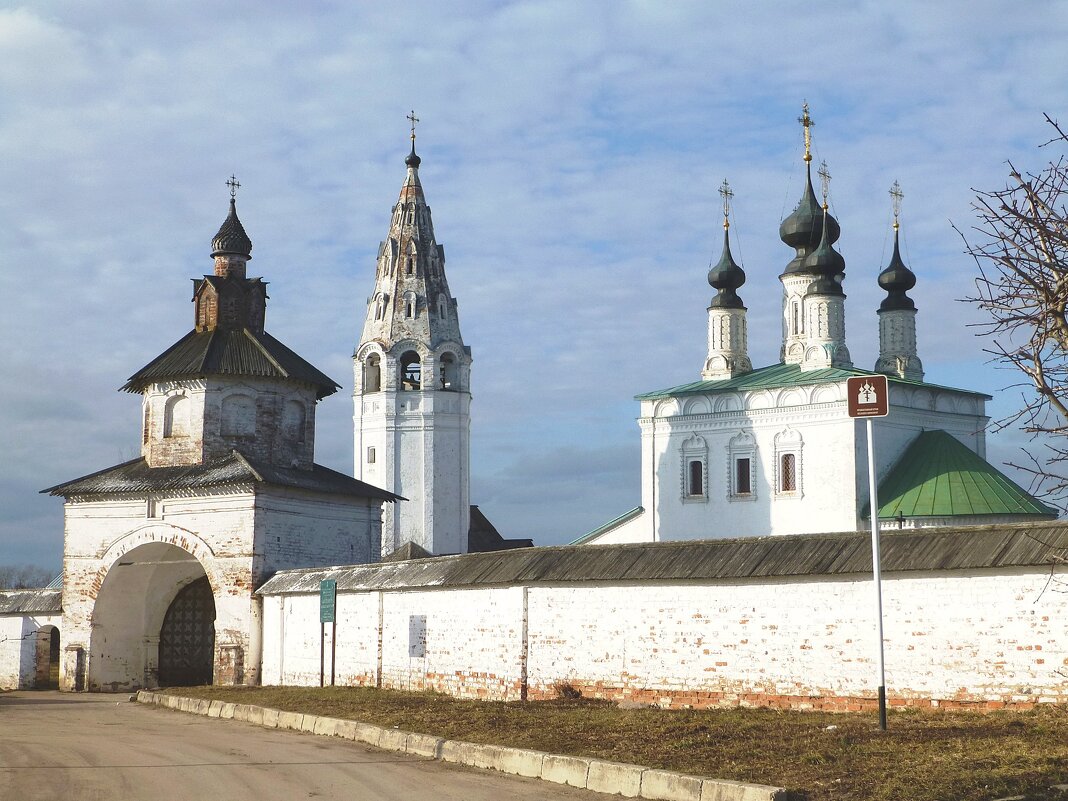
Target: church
750 452
198 561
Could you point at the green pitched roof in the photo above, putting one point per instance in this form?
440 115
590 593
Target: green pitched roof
938 476
782 375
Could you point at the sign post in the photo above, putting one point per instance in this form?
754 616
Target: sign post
327 605
868 397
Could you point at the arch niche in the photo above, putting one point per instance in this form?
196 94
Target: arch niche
46 658
153 623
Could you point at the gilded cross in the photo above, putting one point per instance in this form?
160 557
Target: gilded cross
806 123
895 198
413 119
825 180
234 185
726 193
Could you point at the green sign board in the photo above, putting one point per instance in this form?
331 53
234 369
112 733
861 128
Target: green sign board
327 599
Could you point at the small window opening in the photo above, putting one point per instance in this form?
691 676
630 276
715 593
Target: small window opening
411 266
743 478
372 373
151 509
697 479
788 473
449 372
370 456
411 371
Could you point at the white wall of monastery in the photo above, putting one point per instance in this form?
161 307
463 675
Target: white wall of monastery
20 648
986 638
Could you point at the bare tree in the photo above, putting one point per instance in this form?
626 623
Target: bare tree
20 577
1020 245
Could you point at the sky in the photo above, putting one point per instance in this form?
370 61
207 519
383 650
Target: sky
571 152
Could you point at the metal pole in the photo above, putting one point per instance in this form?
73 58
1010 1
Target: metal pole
322 653
333 649
873 497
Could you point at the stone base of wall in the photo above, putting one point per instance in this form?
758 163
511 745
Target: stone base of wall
700 699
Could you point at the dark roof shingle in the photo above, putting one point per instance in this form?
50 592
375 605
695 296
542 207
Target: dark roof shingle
137 477
1032 544
236 353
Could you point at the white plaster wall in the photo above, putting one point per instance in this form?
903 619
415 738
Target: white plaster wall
637 529
977 637
422 452
18 648
300 529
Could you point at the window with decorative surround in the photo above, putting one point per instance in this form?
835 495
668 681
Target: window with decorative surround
694 469
788 444
741 466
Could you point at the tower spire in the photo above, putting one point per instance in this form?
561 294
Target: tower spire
412 383
803 230
727 337
897 313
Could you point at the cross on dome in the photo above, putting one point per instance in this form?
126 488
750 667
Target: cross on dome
413 119
895 198
807 123
825 181
726 193
234 185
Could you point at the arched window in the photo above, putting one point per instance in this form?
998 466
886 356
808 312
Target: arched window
372 373
238 417
293 419
788 473
443 307
450 373
176 416
380 305
411 266
411 305
697 479
411 370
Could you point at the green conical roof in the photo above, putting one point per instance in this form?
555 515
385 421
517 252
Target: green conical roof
938 476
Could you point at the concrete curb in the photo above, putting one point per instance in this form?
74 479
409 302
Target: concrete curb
630 781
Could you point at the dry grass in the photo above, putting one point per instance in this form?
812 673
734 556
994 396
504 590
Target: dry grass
925 756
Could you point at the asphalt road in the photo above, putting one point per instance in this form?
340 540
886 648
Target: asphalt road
90 747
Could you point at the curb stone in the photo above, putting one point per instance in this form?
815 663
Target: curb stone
630 781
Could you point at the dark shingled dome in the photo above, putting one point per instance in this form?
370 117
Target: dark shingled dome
803 228
896 279
412 159
232 239
726 276
826 263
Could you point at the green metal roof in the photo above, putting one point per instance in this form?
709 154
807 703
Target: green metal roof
617 521
783 375
939 476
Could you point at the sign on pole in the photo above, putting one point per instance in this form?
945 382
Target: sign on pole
327 600
869 397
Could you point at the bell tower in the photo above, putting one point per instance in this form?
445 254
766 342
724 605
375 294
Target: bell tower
411 396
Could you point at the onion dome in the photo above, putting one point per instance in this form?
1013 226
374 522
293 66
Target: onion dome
412 159
232 239
896 279
803 228
726 276
826 263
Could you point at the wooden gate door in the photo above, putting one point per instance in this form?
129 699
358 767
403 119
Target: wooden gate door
187 639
